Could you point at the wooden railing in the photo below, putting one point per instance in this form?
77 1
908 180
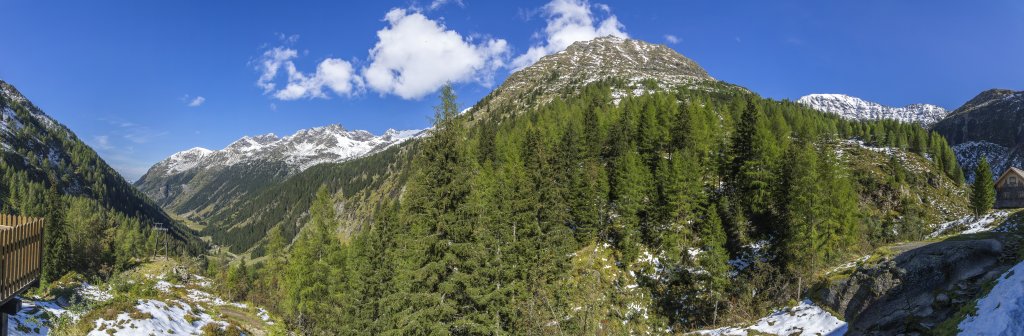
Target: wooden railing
21 253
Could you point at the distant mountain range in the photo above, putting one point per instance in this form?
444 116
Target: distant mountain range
192 180
858 109
990 125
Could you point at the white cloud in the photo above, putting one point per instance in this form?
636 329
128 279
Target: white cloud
335 74
103 142
287 39
415 56
272 61
197 101
569 21
439 3
671 38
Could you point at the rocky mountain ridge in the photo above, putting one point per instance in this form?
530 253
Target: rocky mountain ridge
305 148
854 108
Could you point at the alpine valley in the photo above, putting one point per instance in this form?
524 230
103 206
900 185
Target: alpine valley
611 188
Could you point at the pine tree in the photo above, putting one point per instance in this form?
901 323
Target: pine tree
440 245
799 248
316 259
983 190
713 260
55 247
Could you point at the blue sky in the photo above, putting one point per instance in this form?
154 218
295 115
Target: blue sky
123 74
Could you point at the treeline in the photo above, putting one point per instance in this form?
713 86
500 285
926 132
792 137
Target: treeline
501 209
96 223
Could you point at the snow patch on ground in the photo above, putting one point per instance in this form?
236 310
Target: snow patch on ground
751 253
970 224
849 264
156 318
36 315
1001 312
804 319
204 297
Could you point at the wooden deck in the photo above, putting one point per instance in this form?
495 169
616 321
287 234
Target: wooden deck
21 252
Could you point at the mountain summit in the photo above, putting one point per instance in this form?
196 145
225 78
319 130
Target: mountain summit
855 108
584 62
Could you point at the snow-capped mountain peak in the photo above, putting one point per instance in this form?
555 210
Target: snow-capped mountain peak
854 108
185 160
304 149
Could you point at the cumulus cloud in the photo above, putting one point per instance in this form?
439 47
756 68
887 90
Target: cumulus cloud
415 56
334 74
196 101
570 21
671 38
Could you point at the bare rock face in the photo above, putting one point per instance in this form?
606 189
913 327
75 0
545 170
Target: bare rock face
920 288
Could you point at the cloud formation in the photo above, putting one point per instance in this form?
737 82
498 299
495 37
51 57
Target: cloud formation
196 101
570 21
671 39
333 74
415 56
440 3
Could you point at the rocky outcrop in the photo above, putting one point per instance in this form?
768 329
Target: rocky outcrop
920 288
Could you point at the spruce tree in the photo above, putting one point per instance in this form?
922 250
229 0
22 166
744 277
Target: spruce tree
713 260
55 246
983 192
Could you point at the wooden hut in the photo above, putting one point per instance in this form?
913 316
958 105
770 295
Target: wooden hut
1010 189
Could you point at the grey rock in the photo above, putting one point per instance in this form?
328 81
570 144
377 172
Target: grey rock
899 296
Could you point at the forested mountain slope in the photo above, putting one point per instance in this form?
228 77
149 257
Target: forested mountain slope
669 211
990 125
97 220
362 185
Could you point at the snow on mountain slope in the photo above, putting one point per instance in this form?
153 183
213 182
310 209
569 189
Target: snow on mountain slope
1000 158
301 150
858 109
1001 312
804 319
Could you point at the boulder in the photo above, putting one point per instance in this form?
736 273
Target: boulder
914 291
